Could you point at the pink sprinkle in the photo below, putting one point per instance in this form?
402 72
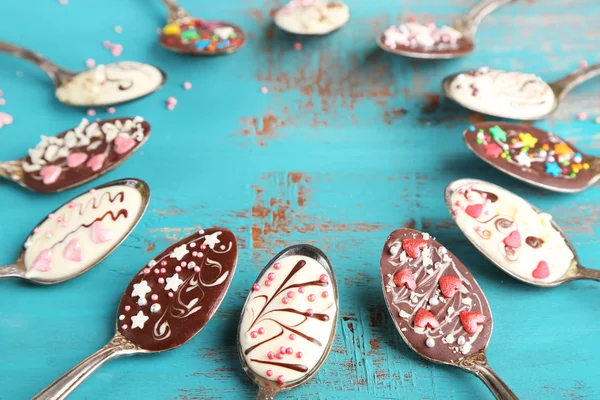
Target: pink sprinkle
200 254
146 271
64 3
299 354
253 334
289 350
268 283
187 85
124 326
171 100
178 269
91 112
194 253
154 297
163 270
280 379
261 330
107 44
51 216
2 102
90 63
196 269
458 203
92 191
583 64
277 266
269 372
183 264
312 297
582 116
279 356
71 204
203 247
301 289
290 294
127 308
170 294
271 276
285 300
264 90
324 278
161 280
111 110
116 50
170 107
36 229
270 355
297 46
292 336
256 287
1 93
282 349
325 294
309 311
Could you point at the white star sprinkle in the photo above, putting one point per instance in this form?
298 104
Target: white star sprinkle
211 240
173 283
141 289
523 159
179 252
138 321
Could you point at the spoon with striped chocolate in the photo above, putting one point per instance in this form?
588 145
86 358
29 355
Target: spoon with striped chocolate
288 323
437 306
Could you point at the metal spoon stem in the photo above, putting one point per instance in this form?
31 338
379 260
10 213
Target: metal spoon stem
471 21
562 86
176 12
266 393
588 273
9 271
478 365
63 386
56 73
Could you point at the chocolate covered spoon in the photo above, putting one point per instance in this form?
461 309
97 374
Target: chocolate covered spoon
81 233
166 304
103 85
437 306
428 41
288 323
78 155
520 239
513 95
532 155
312 17
188 35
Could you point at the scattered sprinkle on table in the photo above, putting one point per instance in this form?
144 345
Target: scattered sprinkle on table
298 46
583 64
582 116
111 110
63 2
91 112
5 119
264 90
187 85
118 29
90 63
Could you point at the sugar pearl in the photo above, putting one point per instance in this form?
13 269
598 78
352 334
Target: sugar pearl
268 283
146 271
197 269
289 350
292 336
161 280
312 297
163 263
261 330
269 372
301 289
309 311
127 308
277 266
270 355
154 297
271 276
285 300
256 287
253 334
290 294
324 278
325 294
299 354
178 269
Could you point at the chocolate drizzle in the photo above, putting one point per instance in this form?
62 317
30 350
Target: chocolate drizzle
534 241
489 195
295 367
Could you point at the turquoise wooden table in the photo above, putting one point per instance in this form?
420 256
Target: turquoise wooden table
347 145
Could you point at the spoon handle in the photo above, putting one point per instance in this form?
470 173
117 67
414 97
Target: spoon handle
266 393
176 12
562 86
12 170
10 271
471 21
478 365
56 73
588 273
63 386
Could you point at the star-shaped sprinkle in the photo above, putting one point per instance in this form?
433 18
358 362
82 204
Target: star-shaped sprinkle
173 283
179 252
493 150
138 321
211 240
141 289
563 149
553 169
498 133
523 159
528 139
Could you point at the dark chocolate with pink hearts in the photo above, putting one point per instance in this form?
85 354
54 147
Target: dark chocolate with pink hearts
175 295
531 153
202 37
82 153
435 303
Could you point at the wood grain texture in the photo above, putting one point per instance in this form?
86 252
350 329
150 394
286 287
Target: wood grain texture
349 144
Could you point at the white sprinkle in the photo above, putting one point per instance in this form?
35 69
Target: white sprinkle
155 308
404 314
461 340
430 343
152 263
142 302
450 338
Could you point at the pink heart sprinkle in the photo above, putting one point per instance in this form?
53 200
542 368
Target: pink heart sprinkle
513 240
474 210
123 144
100 234
43 261
73 250
76 159
542 271
95 163
50 174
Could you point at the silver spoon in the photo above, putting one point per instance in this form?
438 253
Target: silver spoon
165 305
437 306
81 233
532 155
188 35
554 260
512 95
274 343
465 27
78 155
327 17
103 85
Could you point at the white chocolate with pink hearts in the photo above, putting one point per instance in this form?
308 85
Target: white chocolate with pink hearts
288 319
312 17
490 216
81 232
110 84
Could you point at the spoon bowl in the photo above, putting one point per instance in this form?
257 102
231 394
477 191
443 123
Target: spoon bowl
166 304
554 260
78 155
318 18
295 325
81 233
101 86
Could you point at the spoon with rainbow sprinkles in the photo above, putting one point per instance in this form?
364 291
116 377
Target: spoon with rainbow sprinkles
103 85
288 323
437 306
429 41
78 155
534 156
188 35
513 95
520 239
165 305
81 233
